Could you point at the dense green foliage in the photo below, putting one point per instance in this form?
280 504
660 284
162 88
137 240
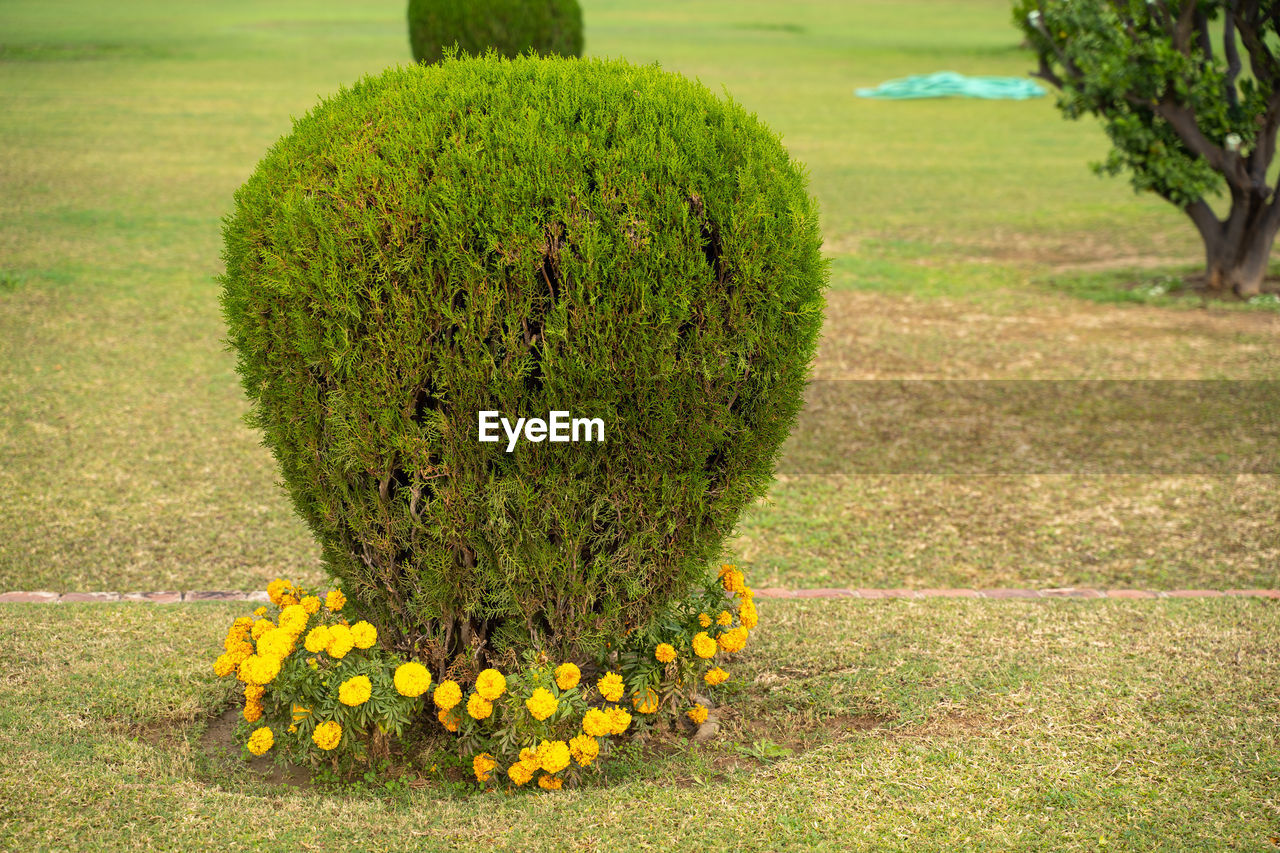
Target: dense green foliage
522 236
510 27
1184 115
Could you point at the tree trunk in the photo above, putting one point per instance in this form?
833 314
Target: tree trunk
1237 250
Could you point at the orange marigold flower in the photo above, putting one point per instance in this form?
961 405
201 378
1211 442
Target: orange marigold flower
491 684
567 676
703 646
698 713
479 707
665 653
611 686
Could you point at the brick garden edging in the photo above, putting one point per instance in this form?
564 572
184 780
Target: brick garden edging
175 597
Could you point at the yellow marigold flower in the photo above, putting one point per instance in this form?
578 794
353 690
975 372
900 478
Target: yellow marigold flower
584 749
597 723
242 623
725 568
364 634
519 773
747 594
529 758
277 588
448 719
261 611
725 618
483 764
618 720
447 694
293 619
252 712
253 692
298 712
611 686
340 641
276 643
551 783
567 676
541 704
311 604
733 580
288 600
704 620
716 676
491 684
747 613
412 679
479 707
261 627
234 639
734 640
335 600
239 652
257 669
327 735
261 740
665 653
698 713
317 639
647 702
703 645
355 691
553 755
223 666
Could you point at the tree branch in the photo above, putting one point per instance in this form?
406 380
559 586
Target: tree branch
1261 59
1202 31
1206 223
1183 121
1232 53
1185 26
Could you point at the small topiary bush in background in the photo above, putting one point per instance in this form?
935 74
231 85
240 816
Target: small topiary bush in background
509 27
522 236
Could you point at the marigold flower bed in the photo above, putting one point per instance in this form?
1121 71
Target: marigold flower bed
318 689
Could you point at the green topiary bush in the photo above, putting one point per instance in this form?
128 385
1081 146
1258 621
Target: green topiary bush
510 27
522 236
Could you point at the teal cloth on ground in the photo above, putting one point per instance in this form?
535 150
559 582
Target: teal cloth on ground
946 84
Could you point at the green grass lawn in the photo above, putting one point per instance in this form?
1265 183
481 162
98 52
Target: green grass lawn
968 240
934 725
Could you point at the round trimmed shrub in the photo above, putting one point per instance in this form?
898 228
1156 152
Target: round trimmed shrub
510 27
522 236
